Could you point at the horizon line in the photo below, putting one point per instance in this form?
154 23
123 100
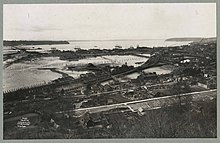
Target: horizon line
106 39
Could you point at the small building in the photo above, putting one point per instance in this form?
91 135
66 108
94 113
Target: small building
203 85
109 101
210 83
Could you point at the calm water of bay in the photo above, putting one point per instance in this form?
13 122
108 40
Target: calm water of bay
111 44
26 73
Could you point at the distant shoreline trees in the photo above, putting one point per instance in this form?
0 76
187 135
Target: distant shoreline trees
24 42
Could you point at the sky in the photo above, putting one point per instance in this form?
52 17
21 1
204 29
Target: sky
108 21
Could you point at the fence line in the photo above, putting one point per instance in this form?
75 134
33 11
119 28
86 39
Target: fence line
26 87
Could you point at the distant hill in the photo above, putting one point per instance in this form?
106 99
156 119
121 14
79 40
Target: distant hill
207 40
22 42
193 39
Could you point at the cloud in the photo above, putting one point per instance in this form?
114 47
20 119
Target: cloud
38 29
109 21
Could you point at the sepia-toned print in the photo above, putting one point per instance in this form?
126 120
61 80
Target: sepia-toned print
119 70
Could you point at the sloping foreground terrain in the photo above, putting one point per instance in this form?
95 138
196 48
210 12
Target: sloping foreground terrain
193 117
